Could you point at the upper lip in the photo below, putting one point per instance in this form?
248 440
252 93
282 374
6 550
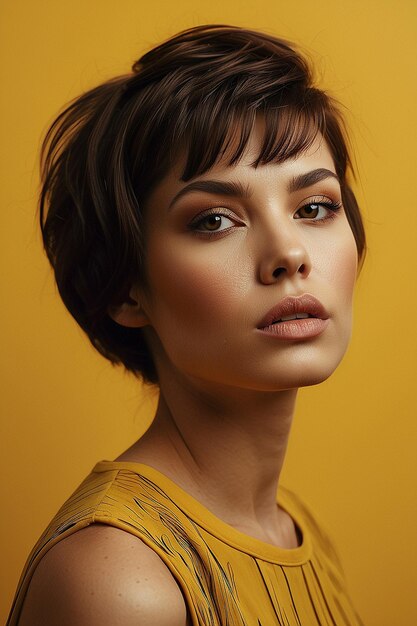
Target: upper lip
292 305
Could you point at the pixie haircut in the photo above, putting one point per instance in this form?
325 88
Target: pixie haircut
198 94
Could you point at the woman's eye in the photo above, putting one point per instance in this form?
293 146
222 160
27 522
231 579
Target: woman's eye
318 211
212 223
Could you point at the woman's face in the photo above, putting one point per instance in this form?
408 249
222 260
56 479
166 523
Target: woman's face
221 254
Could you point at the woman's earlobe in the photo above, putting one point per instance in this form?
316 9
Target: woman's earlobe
129 313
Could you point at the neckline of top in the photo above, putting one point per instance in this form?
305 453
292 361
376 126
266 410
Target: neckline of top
216 526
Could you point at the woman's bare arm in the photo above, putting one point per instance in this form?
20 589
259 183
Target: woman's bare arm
103 576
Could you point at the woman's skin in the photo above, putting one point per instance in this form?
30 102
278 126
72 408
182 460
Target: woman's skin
227 390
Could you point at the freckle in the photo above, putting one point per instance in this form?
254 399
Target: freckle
119 594
106 557
137 581
91 593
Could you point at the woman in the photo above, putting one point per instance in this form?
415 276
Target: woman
204 234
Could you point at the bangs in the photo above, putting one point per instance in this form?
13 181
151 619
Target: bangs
211 134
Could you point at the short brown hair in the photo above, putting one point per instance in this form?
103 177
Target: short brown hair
195 94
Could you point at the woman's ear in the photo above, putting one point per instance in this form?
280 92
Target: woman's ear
130 312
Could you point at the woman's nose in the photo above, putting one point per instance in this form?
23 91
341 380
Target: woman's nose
283 254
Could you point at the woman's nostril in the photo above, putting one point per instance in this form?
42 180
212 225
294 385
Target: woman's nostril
279 270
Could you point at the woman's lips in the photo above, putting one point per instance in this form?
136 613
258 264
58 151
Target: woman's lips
303 328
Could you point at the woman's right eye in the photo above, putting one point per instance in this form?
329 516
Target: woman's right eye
214 222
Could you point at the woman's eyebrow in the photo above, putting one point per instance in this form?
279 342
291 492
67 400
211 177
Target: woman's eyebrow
217 187
310 178
237 189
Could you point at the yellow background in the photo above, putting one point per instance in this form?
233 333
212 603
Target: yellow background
353 448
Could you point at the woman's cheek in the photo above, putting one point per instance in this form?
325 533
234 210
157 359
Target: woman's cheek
347 268
191 280
337 262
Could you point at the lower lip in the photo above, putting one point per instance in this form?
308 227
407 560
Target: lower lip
296 330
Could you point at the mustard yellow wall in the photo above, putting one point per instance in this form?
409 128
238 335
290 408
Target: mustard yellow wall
64 407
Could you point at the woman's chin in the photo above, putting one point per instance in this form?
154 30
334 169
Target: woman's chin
296 376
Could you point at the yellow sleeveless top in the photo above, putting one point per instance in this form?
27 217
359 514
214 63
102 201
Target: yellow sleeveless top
227 578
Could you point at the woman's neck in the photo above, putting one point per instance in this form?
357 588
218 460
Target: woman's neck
225 447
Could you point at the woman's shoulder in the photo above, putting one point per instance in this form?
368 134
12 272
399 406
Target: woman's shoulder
99 575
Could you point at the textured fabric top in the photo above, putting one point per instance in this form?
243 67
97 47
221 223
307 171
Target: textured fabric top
227 577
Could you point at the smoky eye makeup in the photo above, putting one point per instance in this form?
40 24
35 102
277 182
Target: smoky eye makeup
198 213
213 211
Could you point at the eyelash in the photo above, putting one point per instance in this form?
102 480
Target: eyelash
333 208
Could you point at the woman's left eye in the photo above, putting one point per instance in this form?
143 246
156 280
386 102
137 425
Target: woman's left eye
318 211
